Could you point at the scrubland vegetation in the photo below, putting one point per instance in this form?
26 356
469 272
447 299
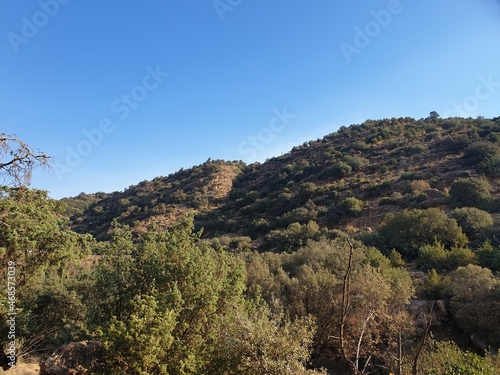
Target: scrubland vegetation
313 262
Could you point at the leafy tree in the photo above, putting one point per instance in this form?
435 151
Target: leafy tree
255 341
437 256
445 358
472 220
485 156
115 279
396 259
310 281
471 191
476 302
341 169
35 235
293 237
189 315
488 256
427 227
433 117
138 344
436 286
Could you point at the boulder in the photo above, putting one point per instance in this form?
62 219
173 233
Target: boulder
478 341
435 202
75 358
419 311
401 186
434 193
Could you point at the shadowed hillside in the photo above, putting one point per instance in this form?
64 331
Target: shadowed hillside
348 180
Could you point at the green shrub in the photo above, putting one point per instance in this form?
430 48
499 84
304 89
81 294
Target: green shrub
349 207
488 256
341 169
432 256
485 156
471 192
437 256
436 286
409 230
445 358
472 220
396 259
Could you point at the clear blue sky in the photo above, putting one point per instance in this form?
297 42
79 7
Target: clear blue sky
246 79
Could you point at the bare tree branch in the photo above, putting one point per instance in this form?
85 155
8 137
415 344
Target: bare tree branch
18 160
345 301
422 343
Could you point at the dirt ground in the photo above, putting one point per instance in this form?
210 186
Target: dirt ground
25 367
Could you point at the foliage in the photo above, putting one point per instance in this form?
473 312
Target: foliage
436 286
437 256
427 227
488 256
293 237
472 220
476 302
188 314
34 234
309 281
18 160
251 342
138 345
485 156
396 259
471 192
445 358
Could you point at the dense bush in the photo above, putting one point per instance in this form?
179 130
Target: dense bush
471 191
446 358
436 286
472 220
485 156
409 230
438 257
476 302
488 256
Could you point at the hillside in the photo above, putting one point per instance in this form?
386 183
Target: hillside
386 165
354 253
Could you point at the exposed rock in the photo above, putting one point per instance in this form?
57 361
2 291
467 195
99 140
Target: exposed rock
401 186
419 310
478 341
75 358
435 202
434 193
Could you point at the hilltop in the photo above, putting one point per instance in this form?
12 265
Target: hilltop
347 180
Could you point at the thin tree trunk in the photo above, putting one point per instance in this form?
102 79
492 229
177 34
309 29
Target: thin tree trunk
400 354
422 343
345 301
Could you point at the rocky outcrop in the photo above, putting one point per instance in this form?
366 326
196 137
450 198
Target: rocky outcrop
75 358
419 311
435 202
